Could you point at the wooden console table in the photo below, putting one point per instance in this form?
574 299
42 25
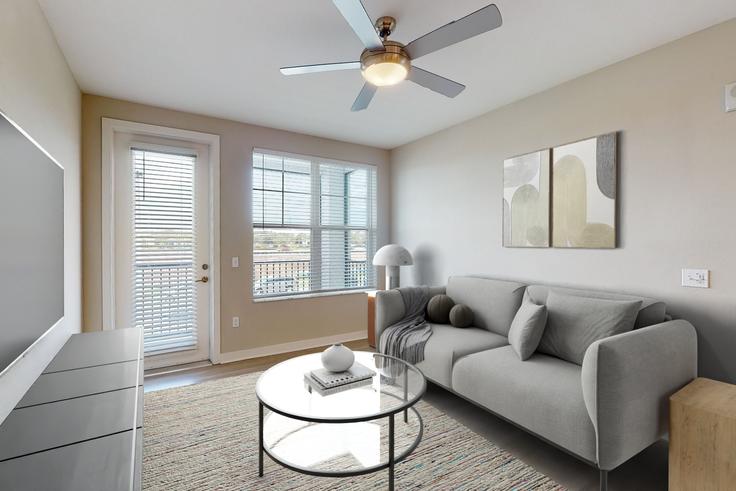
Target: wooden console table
703 437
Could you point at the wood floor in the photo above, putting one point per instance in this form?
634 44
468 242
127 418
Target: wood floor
158 380
647 471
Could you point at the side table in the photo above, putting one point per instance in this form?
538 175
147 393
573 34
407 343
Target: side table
703 436
372 318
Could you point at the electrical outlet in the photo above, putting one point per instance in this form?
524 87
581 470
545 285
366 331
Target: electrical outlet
236 321
696 278
730 97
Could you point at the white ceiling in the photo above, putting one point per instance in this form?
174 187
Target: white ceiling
221 57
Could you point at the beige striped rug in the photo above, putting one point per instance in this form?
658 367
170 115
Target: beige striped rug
205 437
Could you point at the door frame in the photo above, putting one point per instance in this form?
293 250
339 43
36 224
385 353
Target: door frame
109 128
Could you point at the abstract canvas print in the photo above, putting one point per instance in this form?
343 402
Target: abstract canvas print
584 193
526 200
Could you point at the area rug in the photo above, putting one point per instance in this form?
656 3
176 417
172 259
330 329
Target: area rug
205 437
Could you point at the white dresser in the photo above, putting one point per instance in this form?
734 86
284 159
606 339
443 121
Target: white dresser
80 425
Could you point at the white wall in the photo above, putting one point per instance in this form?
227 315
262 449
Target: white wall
677 182
38 91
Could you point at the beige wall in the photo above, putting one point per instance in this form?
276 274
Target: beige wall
676 190
263 323
38 91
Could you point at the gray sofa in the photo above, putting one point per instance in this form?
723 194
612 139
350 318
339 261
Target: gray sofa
603 412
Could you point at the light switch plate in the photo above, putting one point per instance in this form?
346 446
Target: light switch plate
236 321
730 97
696 278
236 262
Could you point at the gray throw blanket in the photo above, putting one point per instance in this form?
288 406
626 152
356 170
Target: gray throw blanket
406 338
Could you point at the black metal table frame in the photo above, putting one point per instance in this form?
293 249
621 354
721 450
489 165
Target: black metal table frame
392 459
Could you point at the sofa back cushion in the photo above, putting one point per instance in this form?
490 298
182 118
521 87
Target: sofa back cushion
651 312
493 302
574 323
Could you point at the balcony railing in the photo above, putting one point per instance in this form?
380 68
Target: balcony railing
284 277
164 305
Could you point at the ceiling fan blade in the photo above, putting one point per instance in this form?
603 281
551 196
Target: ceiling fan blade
480 21
364 98
434 82
323 67
357 17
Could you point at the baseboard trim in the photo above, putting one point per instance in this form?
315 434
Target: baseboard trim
277 349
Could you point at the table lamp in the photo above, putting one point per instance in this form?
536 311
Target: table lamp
392 256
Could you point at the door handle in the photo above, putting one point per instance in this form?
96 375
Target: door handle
203 279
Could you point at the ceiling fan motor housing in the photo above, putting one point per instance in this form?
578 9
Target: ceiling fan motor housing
388 66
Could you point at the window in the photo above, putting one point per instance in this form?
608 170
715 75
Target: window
314 225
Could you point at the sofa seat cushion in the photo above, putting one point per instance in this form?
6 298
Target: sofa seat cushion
542 394
493 302
447 344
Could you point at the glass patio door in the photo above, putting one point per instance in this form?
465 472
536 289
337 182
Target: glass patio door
162 247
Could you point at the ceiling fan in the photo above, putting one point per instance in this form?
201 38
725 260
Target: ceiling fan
385 62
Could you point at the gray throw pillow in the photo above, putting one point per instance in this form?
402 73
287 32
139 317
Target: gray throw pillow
527 328
461 316
438 309
574 323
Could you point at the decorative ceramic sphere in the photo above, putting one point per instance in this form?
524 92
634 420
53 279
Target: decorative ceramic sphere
337 358
461 316
438 309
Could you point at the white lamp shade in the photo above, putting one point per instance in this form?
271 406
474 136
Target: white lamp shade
392 255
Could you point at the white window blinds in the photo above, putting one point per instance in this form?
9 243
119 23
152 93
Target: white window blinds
314 225
164 250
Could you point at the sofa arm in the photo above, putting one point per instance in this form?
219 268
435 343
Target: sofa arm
627 380
390 308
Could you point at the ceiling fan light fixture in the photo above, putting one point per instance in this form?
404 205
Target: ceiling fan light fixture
385 67
384 74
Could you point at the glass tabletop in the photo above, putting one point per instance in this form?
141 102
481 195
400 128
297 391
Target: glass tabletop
395 386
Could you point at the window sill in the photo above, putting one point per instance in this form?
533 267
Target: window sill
361 291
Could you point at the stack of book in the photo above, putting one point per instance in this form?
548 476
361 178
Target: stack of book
326 382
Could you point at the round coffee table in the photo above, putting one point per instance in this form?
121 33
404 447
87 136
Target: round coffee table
348 433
